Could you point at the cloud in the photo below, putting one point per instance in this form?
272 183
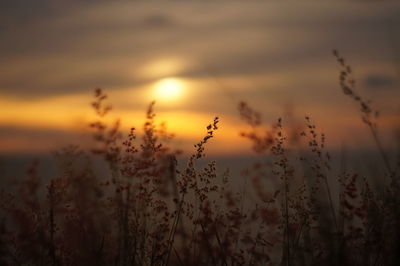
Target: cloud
62 50
43 133
158 20
380 82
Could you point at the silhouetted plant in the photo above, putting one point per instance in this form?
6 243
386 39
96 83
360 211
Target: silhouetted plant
141 208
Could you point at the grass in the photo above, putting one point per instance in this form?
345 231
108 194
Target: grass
149 211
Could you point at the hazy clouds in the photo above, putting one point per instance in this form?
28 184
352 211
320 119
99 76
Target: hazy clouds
49 49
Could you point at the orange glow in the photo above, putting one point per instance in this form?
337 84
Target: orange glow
72 114
162 68
168 89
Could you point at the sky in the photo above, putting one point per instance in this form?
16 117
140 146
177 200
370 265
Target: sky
197 59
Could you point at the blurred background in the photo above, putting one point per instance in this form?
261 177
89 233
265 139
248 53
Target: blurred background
197 60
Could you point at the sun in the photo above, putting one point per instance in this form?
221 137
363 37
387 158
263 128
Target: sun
169 89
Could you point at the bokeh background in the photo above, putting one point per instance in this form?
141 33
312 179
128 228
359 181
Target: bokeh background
197 59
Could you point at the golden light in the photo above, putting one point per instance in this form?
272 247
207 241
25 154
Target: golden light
162 68
169 89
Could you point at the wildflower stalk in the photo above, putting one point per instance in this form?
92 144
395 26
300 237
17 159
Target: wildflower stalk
285 172
368 115
189 176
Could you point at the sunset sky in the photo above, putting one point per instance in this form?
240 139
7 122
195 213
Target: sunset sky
197 59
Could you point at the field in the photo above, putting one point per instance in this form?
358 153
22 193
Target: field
148 204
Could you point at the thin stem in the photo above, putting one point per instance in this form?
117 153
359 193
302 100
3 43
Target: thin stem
331 202
380 148
287 223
